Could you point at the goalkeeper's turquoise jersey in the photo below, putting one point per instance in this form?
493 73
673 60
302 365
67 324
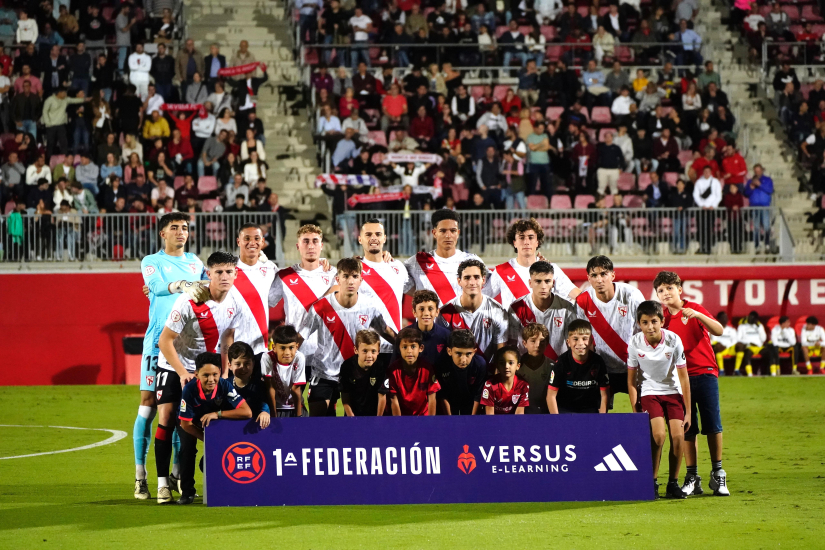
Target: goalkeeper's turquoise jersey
158 271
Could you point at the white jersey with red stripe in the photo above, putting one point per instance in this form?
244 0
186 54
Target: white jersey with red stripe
658 363
200 327
293 374
489 323
386 284
336 327
430 271
300 288
556 318
613 323
252 286
504 287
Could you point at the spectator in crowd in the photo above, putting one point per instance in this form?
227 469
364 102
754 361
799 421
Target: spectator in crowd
213 150
163 71
610 164
680 199
188 62
25 109
759 192
733 202
707 195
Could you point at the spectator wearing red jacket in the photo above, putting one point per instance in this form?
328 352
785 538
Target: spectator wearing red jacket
422 127
734 169
707 160
181 153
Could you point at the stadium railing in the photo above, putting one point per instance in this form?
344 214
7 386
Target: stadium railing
74 237
581 233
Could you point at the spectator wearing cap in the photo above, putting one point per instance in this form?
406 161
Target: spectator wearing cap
55 120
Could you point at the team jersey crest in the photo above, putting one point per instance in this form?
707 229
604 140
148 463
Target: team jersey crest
515 398
668 355
372 381
263 270
230 312
194 268
488 322
362 320
558 321
622 310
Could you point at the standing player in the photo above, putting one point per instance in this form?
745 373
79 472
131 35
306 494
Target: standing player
336 319
610 308
304 283
254 281
783 340
812 338
510 281
694 326
750 339
472 310
724 345
436 270
192 328
166 274
545 307
657 357
384 282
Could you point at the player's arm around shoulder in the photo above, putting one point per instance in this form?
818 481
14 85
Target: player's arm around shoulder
179 316
153 277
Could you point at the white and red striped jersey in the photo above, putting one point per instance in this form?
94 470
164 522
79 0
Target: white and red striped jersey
336 327
556 318
429 271
613 322
293 374
489 323
200 327
386 283
300 289
253 284
658 363
511 281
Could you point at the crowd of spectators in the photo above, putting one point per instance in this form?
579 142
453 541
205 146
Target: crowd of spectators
608 135
101 114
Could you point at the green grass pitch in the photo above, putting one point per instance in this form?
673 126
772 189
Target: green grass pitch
774 456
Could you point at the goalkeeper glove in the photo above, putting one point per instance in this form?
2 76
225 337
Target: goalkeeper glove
194 289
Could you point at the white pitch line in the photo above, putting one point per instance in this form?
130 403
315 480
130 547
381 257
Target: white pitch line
117 435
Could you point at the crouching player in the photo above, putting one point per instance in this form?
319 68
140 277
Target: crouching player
364 384
657 357
505 393
411 380
578 382
247 380
461 373
206 398
285 368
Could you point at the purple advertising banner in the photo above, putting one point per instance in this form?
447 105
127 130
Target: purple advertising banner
441 459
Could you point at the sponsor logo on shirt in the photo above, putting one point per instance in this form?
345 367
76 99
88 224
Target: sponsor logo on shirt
167 268
591 313
293 281
485 394
641 355
511 278
331 319
668 355
182 405
365 271
430 266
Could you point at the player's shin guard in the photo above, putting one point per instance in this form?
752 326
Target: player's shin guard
176 458
163 453
141 436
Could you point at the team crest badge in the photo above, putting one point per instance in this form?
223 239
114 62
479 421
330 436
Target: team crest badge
194 268
362 319
263 271
150 380
325 279
684 320
440 347
515 398
558 321
488 322
372 381
395 269
230 312
159 393
149 270
623 311
668 355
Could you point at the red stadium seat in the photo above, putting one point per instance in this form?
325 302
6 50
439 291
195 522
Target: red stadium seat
209 205
644 180
808 14
601 115
8 208
548 225
560 202
537 202
685 157
671 178
792 11
553 53
627 182
583 201
772 322
608 200
55 160
379 137
623 54
666 226
633 201
639 227
553 113
179 181
207 184
460 192
549 32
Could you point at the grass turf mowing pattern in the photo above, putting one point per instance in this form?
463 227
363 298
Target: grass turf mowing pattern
775 448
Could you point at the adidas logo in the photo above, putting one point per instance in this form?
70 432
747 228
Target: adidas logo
613 464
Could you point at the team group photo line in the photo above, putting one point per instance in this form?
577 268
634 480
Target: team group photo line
517 338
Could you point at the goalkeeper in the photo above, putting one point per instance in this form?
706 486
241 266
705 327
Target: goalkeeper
166 274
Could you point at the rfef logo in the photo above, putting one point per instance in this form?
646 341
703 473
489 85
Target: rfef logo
243 462
466 460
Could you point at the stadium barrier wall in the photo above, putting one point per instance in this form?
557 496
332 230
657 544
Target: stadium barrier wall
70 326
444 459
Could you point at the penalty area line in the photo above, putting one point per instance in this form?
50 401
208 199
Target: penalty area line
116 436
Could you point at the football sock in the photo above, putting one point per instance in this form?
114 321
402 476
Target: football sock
176 468
720 360
163 454
749 369
692 470
176 446
740 355
140 472
774 368
141 433
810 367
716 465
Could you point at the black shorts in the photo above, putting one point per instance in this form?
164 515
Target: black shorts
167 387
321 389
291 413
562 410
618 382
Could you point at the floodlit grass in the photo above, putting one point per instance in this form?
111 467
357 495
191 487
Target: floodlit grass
774 456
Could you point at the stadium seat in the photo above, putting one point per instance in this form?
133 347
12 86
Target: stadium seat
671 178
549 32
666 226
604 131
623 54
55 160
209 205
179 181
8 208
554 113
792 11
379 137
460 192
582 201
627 182
644 180
476 92
500 91
633 201
560 202
808 14
772 322
548 225
553 53
640 228
608 200
822 202
207 184
685 156
537 202
601 115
